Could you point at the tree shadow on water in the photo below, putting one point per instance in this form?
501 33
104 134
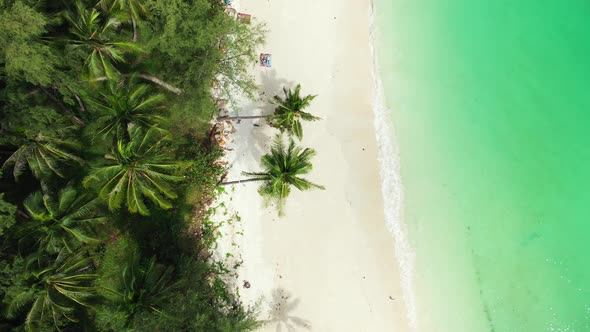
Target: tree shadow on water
280 313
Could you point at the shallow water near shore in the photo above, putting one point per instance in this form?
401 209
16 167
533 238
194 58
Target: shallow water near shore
490 103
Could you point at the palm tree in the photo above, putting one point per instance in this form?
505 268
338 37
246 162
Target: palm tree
282 170
43 141
92 35
55 291
125 104
44 155
134 8
140 289
136 170
290 110
60 223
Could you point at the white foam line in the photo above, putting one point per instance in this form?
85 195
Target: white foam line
391 188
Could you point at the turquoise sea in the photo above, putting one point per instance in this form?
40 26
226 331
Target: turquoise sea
490 105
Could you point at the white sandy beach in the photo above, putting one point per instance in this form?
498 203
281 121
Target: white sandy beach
329 264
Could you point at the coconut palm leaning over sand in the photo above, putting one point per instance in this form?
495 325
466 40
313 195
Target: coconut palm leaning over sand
282 168
289 112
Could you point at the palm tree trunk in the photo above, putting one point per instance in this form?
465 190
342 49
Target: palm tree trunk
238 181
152 79
134 28
80 103
245 117
22 214
161 83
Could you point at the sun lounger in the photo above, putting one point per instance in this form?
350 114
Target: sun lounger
265 60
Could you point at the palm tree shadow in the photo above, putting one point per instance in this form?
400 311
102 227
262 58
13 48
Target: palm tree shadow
271 85
280 311
253 145
259 138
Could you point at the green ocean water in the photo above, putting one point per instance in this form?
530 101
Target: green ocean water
490 104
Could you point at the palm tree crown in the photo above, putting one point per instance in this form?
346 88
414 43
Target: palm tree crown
60 223
125 104
134 8
289 111
43 155
44 148
141 288
92 35
55 292
282 169
136 170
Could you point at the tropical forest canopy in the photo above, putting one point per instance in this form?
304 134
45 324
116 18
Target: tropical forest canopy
107 164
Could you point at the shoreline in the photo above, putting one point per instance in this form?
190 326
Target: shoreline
392 183
331 263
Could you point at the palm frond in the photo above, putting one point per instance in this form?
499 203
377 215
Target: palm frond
56 289
126 105
19 303
92 31
282 168
140 171
289 111
63 222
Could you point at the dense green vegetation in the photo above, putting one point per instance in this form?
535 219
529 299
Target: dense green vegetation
107 166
